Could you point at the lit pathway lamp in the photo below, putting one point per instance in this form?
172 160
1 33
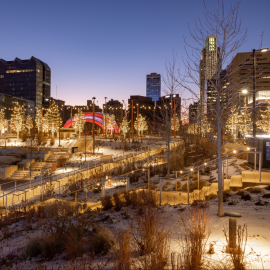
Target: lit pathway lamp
254 89
105 117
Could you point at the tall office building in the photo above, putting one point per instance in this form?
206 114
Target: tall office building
28 79
208 68
241 77
153 86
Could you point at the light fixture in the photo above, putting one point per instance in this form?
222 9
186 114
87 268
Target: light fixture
264 50
248 149
244 91
234 151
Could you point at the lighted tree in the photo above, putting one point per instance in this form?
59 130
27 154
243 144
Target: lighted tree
239 122
17 119
45 124
264 122
79 121
53 116
142 124
29 122
38 119
124 127
3 121
177 123
110 123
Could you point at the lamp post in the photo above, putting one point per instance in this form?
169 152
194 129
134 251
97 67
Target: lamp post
93 126
131 118
137 120
254 93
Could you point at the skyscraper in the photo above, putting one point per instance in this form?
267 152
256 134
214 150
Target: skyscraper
208 67
153 86
29 79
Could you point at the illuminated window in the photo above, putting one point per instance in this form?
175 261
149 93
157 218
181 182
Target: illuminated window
211 44
1 76
19 71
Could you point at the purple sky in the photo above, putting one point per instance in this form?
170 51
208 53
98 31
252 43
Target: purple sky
106 48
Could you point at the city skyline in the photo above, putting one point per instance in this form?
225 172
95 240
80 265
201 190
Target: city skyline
90 50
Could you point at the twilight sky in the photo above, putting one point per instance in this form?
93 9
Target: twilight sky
106 47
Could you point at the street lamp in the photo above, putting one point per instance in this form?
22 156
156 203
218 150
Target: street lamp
254 94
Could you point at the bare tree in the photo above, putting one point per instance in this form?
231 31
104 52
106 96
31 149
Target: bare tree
224 29
165 112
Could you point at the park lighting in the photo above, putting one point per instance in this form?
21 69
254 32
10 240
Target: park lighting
181 171
234 151
264 50
205 164
248 149
191 170
244 91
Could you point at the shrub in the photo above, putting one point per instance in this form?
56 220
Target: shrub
193 185
237 254
33 247
74 243
106 202
266 196
117 201
122 251
97 188
50 245
246 197
254 190
196 224
134 199
101 241
127 197
267 188
151 238
241 193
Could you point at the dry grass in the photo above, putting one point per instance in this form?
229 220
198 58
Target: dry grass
122 251
195 223
151 238
106 202
255 190
237 254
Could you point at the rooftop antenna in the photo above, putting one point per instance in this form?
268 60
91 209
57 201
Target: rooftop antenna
56 91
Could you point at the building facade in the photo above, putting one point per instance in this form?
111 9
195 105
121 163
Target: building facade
241 77
28 79
115 107
153 86
207 69
193 112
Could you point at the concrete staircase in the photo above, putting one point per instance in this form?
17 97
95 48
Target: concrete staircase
37 166
23 175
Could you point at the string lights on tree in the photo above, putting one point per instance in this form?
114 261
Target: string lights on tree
53 116
3 121
110 123
124 127
175 126
17 119
264 122
79 121
142 124
29 123
38 119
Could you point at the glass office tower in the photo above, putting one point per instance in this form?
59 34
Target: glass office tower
28 79
153 86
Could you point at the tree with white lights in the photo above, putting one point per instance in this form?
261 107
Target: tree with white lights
45 123
53 116
110 123
17 119
38 119
29 123
79 121
142 124
264 122
124 127
3 121
177 123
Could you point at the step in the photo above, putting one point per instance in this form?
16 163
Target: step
236 181
253 177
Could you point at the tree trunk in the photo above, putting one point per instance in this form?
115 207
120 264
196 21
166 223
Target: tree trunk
219 154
